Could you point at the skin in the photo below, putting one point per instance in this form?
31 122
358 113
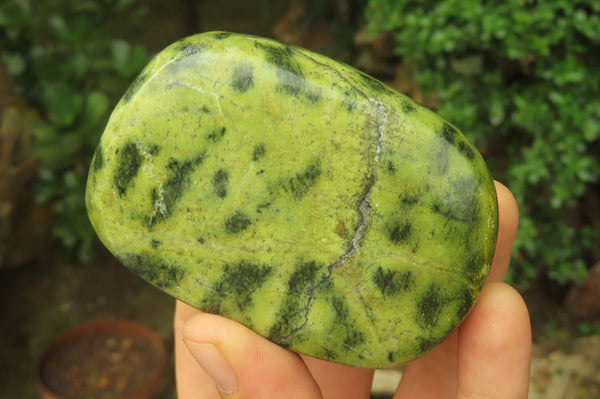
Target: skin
488 356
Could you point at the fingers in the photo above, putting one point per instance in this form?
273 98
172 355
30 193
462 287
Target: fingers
220 358
192 380
337 381
433 375
495 346
508 221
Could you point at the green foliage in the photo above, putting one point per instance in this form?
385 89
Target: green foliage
588 328
521 79
71 69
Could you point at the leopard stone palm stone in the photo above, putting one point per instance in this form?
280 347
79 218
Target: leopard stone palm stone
296 195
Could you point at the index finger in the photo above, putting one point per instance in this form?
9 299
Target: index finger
192 380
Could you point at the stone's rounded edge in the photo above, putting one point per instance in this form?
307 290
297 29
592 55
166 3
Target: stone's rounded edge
369 88
486 217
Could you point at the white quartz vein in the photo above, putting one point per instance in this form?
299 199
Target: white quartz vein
216 96
365 205
364 209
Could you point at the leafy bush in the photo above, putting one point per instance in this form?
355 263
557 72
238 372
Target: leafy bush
70 68
521 79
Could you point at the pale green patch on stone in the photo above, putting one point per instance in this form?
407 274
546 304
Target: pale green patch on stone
296 195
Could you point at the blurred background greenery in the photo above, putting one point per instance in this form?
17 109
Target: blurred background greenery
521 78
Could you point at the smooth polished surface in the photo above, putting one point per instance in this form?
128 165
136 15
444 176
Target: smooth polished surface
296 195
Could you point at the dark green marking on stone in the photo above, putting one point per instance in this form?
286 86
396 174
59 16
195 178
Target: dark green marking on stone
289 73
399 232
155 199
303 277
238 283
219 181
222 35
444 210
134 87
373 83
353 337
328 354
449 133
474 263
186 49
98 160
339 305
242 79
292 314
429 307
172 189
313 95
425 344
466 299
408 107
383 280
390 168
212 304
409 199
237 222
472 267
350 95
182 41
349 101
153 149
216 135
390 282
301 183
153 268
466 150
180 60
258 152
460 204
281 331
129 161
262 206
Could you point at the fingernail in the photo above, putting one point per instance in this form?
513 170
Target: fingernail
215 365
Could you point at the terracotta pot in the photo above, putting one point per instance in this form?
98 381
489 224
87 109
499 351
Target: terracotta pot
106 359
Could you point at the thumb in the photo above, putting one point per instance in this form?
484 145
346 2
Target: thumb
245 365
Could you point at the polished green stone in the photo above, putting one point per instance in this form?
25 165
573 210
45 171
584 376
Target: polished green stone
296 195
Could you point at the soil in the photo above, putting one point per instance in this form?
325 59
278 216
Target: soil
100 365
40 301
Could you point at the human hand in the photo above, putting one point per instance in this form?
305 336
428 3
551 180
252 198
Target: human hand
488 356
